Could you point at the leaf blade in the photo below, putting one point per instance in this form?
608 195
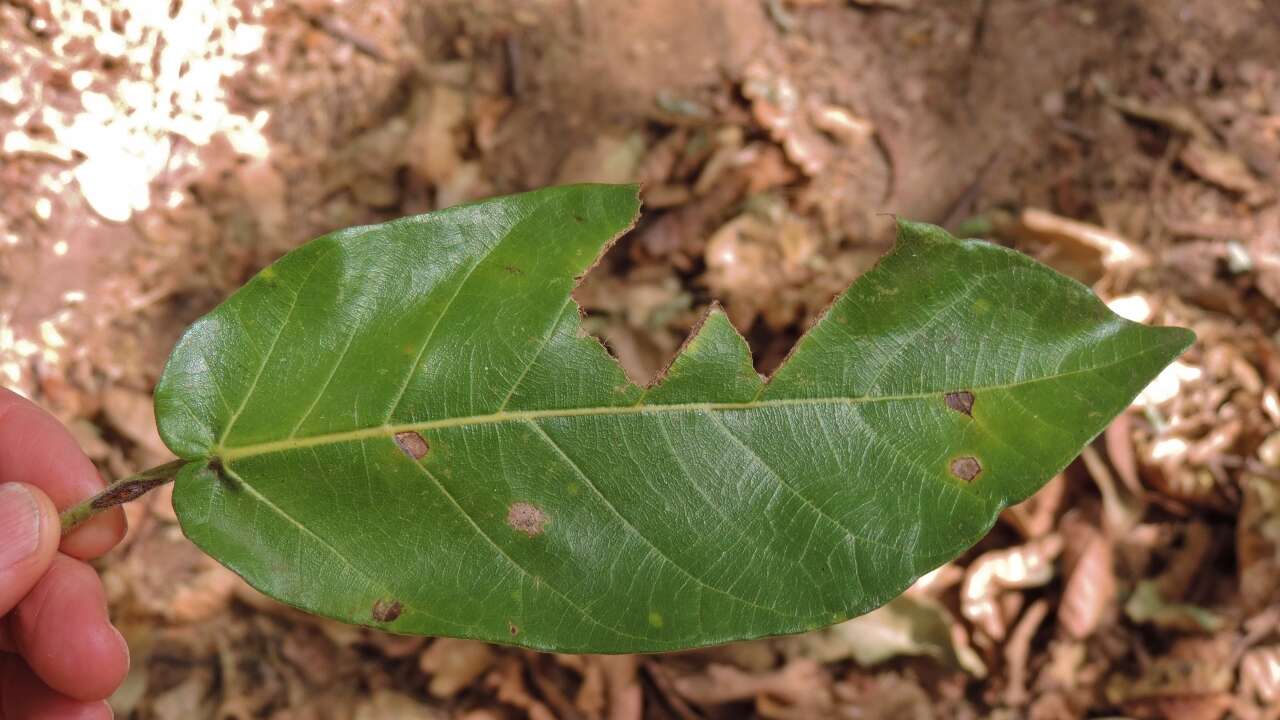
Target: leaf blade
472 461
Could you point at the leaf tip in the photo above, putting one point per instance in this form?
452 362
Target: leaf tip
912 233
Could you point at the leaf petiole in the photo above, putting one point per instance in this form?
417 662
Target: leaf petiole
118 493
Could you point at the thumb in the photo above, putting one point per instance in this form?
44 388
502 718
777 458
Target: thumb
29 535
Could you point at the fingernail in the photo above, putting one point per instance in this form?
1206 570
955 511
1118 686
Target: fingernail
19 524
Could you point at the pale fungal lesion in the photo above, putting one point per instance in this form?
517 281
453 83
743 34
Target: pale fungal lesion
526 518
387 610
961 401
966 468
412 444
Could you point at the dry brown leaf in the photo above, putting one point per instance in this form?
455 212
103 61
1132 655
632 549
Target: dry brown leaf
170 578
626 697
312 653
591 698
610 158
778 107
1260 674
432 150
753 655
1114 251
391 705
453 664
133 414
800 682
1090 590
1035 516
1187 562
884 697
1269 451
1148 605
993 572
1118 438
1258 541
1121 510
1193 681
663 679
508 680
1264 252
192 697
909 625
1017 651
1223 168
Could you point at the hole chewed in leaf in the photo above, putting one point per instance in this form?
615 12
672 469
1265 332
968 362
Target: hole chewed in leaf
413 444
526 518
966 468
386 610
961 401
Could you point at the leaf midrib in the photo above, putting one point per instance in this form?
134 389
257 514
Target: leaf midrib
229 454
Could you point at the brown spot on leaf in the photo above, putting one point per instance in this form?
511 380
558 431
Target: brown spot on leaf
511 627
512 270
526 518
961 401
386 610
966 468
413 444
124 492
578 218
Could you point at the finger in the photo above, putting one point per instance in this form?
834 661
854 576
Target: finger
36 449
62 630
28 540
22 695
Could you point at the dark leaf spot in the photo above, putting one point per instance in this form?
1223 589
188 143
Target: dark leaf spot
526 518
512 270
511 627
961 401
386 610
124 492
966 468
413 444
578 219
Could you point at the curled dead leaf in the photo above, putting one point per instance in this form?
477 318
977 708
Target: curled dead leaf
910 625
1113 250
453 664
1260 674
1017 651
508 680
1258 541
1220 166
801 682
993 572
1193 681
1090 588
1147 605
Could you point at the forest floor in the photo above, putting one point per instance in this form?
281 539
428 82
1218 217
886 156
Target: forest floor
151 163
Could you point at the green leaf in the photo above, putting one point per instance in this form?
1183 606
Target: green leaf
403 426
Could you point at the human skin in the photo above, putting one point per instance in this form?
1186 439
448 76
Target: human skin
60 657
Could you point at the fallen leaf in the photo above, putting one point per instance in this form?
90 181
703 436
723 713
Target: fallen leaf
391 705
454 664
906 626
1146 605
993 572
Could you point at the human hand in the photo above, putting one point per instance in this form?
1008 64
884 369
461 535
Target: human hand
59 655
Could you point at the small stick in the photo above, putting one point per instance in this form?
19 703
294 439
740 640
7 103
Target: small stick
118 493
